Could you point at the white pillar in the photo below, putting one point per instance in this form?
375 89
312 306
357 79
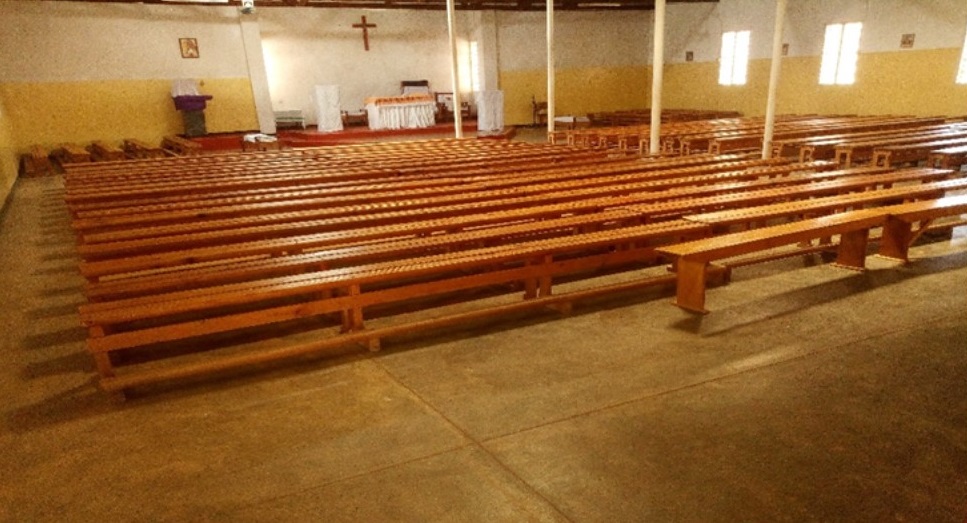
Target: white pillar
454 74
774 79
658 67
252 43
550 67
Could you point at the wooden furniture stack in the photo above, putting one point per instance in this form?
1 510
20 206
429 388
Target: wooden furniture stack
188 258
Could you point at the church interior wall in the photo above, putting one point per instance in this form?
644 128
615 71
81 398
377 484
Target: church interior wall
601 61
92 71
305 47
889 80
86 71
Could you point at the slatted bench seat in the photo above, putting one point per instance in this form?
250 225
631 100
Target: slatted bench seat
392 244
852 152
68 153
650 204
912 153
252 179
948 157
104 152
145 321
441 195
161 172
35 162
824 146
422 235
792 146
135 148
94 270
180 146
261 176
595 181
148 253
693 259
146 237
898 231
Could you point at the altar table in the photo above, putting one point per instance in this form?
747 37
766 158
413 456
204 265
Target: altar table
398 113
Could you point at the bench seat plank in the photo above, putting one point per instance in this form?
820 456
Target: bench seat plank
693 258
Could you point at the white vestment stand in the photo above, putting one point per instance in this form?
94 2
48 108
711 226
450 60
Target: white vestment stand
490 111
328 115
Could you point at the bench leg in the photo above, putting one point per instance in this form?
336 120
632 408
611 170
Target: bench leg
690 290
897 235
852 249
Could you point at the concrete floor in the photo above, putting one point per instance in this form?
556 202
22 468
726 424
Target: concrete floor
808 394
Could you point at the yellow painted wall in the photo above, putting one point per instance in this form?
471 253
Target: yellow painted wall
8 156
49 113
578 91
909 82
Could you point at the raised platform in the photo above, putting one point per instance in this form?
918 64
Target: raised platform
310 137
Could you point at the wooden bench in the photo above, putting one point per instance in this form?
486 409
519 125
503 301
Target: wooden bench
692 259
68 153
912 153
134 148
948 157
129 324
852 152
35 162
898 231
104 152
180 146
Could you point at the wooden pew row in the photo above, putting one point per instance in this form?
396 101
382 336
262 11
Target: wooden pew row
206 173
111 260
105 152
307 175
354 153
575 187
912 153
120 257
328 251
274 305
309 154
749 135
849 153
137 149
456 189
948 158
795 146
191 314
176 145
692 260
232 162
36 162
190 191
69 153
126 326
785 136
825 146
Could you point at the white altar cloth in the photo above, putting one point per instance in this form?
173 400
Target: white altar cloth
410 115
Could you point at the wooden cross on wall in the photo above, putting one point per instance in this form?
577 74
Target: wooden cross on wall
365 27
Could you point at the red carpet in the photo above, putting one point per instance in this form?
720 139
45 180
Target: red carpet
312 138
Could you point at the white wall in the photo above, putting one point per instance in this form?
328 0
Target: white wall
582 39
699 27
308 46
77 41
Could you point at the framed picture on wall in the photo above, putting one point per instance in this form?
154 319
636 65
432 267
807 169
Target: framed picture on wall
189 47
906 41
